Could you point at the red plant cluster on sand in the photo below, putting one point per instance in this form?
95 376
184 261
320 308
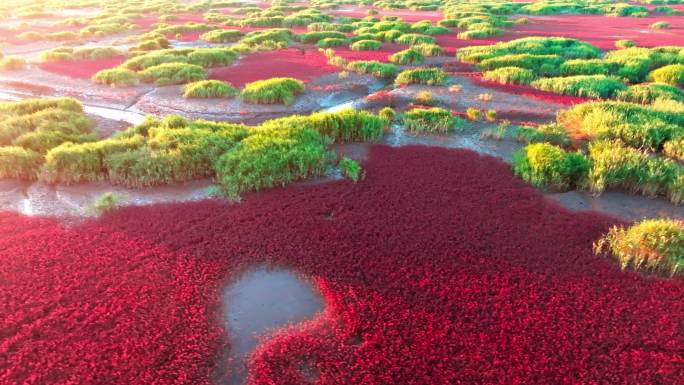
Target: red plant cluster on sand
304 65
524 90
439 268
85 68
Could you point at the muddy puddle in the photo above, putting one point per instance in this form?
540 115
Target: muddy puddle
260 301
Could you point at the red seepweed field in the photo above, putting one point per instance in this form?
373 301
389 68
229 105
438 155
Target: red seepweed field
341 192
304 65
514 296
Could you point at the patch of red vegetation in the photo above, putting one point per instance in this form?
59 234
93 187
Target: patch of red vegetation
604 31
81 68
439 268
524 90
381 55
304 65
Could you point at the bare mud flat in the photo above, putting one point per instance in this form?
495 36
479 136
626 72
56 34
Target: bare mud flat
619 204
260 301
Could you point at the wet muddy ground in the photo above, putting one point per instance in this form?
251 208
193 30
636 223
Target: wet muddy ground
69 202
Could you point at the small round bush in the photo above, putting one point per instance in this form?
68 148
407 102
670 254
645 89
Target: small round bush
546 165
473 113
373 67
222 36
107 202
433 120
272 91
415 38
387 113
116 77
650 245
331 42
366 45
12 63
429 76
672 74
510 75
660 25
351 169
428 49
479 33
173 73
622 44
407 56
424 98
209 89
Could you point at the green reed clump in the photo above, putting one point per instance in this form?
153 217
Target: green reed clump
652 245
173 73
407 56
19 163
429 76
351 169
272 91
591 86
431 121
546 165
510 75
116 77
373 67
222 36
209 89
